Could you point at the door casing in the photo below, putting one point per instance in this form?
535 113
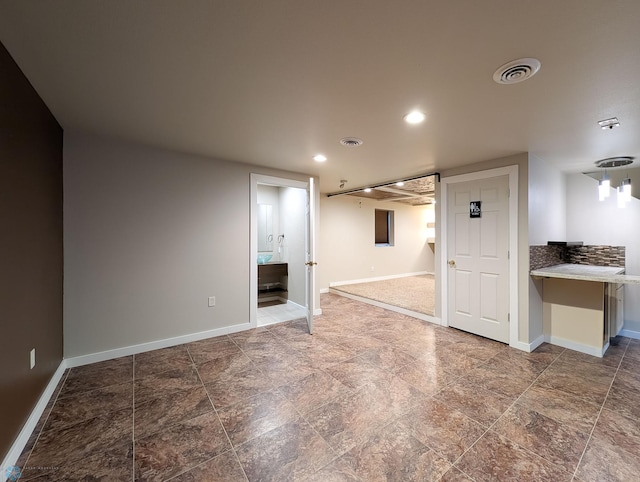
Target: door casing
253 255
512 173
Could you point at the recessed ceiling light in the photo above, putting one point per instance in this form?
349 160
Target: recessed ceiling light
609 123
399 183
319 158
367 189
414 117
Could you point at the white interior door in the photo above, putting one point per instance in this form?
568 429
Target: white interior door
478 257
311 249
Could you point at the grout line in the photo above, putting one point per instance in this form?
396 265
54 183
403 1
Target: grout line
584 451
233 448
502 415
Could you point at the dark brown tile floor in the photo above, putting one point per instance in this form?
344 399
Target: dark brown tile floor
371 396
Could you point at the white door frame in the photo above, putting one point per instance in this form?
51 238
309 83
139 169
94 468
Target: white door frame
253 249
512 172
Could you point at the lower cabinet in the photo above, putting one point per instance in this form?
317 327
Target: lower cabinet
272 280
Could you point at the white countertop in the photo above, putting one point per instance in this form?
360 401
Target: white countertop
603 274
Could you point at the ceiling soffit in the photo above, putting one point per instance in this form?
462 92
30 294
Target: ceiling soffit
415 192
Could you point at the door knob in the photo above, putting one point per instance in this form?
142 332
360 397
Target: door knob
452 263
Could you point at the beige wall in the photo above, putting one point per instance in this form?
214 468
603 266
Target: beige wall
149 235
346 241
521 160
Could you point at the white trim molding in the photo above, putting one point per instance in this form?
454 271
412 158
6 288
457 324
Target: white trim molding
630 334
377 278
23 437
153 345
528 347
512 173
253 255
397 309
572 345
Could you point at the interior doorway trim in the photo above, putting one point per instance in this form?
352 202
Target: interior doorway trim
512 173
253 249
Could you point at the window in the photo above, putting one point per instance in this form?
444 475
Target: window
383 227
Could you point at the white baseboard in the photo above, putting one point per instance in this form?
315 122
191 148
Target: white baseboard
293 304
154 345
21 441
528 347
572 345
377 278
397 309
324 291
630 334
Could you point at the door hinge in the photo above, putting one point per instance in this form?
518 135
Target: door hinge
508 317
508 254
508 192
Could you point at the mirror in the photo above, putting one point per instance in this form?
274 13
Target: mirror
265 228
617 175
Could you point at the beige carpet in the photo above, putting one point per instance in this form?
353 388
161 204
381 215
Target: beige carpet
415 293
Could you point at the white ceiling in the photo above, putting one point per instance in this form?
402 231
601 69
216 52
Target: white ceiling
275 82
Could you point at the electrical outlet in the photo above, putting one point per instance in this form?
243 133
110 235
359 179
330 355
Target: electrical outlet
212 301
32 359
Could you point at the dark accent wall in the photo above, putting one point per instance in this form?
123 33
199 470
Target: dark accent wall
31 254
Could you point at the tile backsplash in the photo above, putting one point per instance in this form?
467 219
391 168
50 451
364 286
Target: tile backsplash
596 255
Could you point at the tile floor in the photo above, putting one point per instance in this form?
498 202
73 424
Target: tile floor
372 396
279 312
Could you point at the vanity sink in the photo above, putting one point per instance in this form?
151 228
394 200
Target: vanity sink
264 258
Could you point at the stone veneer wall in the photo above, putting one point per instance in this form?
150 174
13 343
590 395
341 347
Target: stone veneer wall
544 256
597 255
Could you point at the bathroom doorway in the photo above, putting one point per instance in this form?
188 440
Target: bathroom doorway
278 250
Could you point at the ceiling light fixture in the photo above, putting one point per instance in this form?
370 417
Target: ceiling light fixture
368 189
609 123
399 183
621 200
319 158
414 117
604 187
604 184
626 189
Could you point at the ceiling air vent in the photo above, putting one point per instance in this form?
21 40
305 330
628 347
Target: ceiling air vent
351 141
517 71
611 162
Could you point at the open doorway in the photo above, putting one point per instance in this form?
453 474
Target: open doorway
382 240
279 252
